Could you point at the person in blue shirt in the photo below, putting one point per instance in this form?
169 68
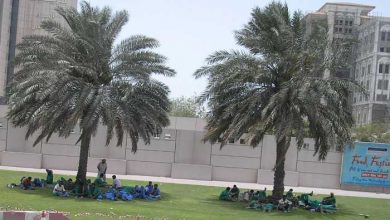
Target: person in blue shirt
155 193
149 188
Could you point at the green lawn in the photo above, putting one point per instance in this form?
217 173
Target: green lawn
178 202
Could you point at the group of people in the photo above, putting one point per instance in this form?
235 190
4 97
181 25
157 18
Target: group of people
28 183
260 201
98 189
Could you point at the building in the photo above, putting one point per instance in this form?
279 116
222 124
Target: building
19 18
371 56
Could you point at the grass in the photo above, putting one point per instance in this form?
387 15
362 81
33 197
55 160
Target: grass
178 202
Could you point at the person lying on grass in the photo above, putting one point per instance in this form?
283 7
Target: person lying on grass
59 190
304 199
26 183
225 195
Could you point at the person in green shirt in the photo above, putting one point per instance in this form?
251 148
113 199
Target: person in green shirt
330 200
99 181
225 195
49 176
94 191
304 198
289 194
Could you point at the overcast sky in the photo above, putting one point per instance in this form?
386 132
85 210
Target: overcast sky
189 30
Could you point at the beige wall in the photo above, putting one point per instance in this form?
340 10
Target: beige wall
178 153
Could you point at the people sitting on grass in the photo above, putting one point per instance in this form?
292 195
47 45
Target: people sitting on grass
140 192
155 193
284 204
328 204
234 192
93 191
304 199
248 195
59 190
116 183
99 181
225 195
26 183
260 195
149 188
330 200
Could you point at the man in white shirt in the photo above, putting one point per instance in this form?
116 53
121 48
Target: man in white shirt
116 183
59 190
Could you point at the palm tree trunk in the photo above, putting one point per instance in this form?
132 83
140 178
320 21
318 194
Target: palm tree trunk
281 150
83 160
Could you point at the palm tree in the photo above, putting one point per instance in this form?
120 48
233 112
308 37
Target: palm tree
275 85
77 76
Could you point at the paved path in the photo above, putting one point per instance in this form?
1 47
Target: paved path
338 192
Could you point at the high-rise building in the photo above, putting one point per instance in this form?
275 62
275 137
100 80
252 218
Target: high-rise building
19 18
371 55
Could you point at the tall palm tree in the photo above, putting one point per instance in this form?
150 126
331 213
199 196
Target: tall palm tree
76 75
276 85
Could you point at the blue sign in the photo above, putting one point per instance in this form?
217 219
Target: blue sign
366 164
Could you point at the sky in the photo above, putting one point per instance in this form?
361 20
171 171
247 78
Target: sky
190 30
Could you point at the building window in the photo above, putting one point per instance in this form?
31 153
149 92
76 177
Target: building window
383 84
363 71
368 84
383 36
354 99
341 22
369 69
336 29
387 68
350 30
341 30
388 36
382 49
350 23
381 97
231 140
242 141
387 49
381 68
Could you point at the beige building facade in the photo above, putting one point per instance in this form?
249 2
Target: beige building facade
371 56
19 18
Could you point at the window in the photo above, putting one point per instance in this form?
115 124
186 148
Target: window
341 22
387 68
305 146
350 30
383 36
354 99
336 29
369 69
387 49
380 68
341 30
368 84
383 84
363 71
382 49
350 23
242 141
381 97
388 36
231 140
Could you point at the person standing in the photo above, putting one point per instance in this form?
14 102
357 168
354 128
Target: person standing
102 168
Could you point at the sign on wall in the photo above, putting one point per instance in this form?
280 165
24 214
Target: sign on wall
366 164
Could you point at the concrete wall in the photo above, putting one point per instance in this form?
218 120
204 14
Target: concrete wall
178 153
